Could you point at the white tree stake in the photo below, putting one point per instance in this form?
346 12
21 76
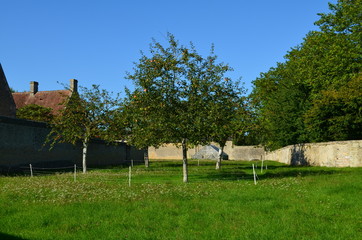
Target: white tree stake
254 175
129 176
31 170
262 164
132 162
75 172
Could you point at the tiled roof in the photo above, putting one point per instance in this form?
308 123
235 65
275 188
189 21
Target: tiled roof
50 99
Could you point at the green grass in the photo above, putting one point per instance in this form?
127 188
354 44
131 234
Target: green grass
287 203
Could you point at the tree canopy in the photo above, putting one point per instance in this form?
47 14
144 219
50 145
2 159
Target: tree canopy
179 98
313 96
86 116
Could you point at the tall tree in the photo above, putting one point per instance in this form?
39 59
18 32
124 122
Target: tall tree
85 117
171 103
336 114
289 98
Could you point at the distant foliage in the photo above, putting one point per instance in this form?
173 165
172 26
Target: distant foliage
35 112
315 95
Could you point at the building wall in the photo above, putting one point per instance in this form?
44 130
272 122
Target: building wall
21 143
329 154
7 104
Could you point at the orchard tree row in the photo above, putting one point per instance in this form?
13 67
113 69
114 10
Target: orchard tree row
179 97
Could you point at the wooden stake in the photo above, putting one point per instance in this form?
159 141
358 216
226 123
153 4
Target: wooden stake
129 176
254 175
31 170
75 172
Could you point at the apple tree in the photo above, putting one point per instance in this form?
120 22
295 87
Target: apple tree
175 88
86 116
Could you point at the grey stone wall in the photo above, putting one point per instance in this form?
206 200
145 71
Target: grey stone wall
169 151
328 154
22 143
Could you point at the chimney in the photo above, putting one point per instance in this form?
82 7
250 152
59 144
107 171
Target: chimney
33 87
73 85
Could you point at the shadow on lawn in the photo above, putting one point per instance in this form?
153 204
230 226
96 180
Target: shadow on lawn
276 172
4 236
298 172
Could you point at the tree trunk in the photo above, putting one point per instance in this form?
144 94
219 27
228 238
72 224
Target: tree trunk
145 156
184 161
218 162
85 148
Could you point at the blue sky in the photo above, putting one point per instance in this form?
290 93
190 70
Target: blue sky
97 41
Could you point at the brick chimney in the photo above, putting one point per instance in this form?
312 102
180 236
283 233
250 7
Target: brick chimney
73 85
33 87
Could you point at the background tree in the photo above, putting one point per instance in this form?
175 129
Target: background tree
35 112
171 101
85 117
337 113
294 100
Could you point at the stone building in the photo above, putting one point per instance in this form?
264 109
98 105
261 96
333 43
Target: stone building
50 99
7 104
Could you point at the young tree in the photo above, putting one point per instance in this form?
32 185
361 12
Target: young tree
227 113
175 88
85 116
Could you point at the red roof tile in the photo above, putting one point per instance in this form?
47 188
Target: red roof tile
50 99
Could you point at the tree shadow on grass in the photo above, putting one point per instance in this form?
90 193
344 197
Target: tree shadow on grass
298 172
276 172
4 236
223 176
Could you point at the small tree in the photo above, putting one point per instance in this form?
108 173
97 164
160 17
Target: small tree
228 113
35 112
175 89
85 116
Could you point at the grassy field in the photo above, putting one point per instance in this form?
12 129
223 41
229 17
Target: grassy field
287 203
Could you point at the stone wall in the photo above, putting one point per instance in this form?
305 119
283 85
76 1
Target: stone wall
21 143
329 154
169 151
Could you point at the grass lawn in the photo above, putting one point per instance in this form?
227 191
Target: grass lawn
287 203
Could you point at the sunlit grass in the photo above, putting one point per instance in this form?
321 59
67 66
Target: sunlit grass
287 203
